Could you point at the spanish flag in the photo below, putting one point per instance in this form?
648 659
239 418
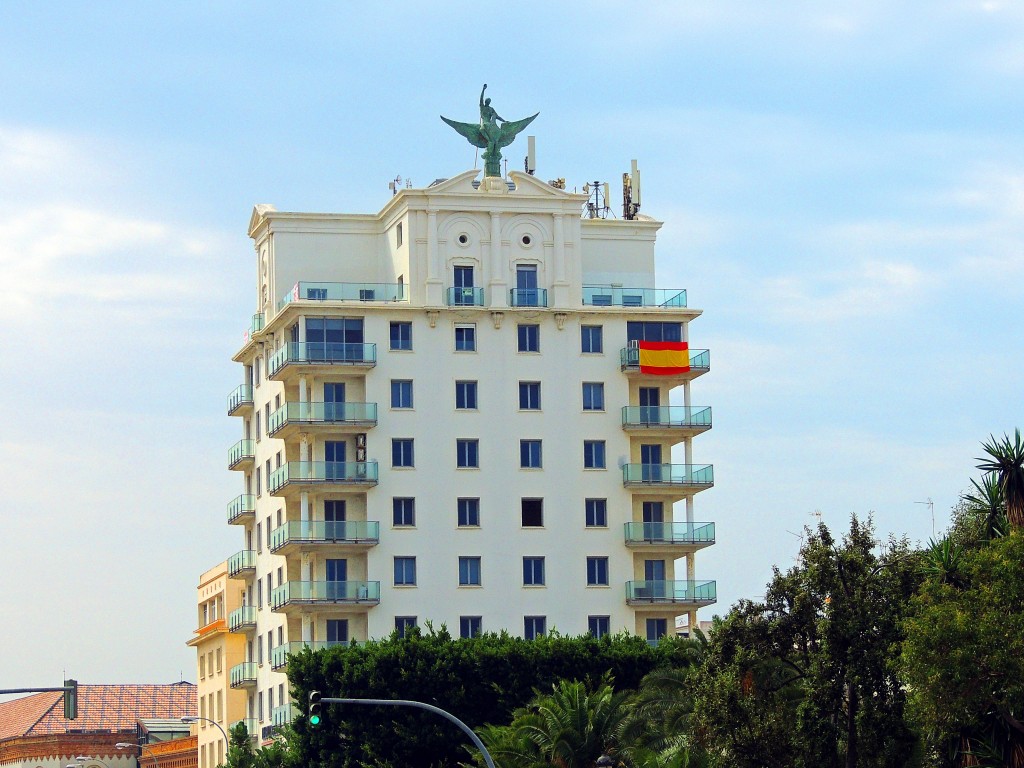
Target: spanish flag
664 358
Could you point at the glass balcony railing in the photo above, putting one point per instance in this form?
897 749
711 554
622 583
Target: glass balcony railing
670 533
324 472
242 561
322 353
283 714
629 359
671 591
386 292
279 654
680 416
669 474
243 674
325 592
359 414
250 724
241 396
465 297
528 297
255 326
617 296
240 452
241 506
325 532
242 619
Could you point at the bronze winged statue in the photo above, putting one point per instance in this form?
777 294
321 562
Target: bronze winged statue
490 136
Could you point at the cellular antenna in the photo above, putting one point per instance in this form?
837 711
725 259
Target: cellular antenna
631 193
597 202
531 155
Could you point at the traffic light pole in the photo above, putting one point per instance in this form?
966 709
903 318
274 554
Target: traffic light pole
69 689
420 705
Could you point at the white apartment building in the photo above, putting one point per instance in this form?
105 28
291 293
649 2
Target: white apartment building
459 410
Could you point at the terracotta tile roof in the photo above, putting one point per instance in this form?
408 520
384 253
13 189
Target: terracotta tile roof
100 708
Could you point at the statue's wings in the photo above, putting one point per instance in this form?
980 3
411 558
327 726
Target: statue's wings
471 131
509 130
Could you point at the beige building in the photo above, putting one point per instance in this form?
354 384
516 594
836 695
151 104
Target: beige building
472 407
217 651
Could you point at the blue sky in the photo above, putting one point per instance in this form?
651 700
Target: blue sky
842 188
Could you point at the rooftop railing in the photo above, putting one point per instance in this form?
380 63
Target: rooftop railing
380 292
617 296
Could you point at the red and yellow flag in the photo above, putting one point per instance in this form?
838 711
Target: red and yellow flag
664 358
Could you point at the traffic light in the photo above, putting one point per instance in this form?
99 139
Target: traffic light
70 699
314 707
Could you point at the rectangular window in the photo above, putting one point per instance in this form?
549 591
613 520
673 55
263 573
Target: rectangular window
404 624
653 331
656 629
401 336
470 626
593 454
599 626
529 395
533 571
257 426
469 571
529 337
591 339
403 511
465 338
533 513
593 395
401 393
467 453
534 627
465 395
529 454
597 513
259 482
405 571
259 537
597 571
401 452
399 239
469 512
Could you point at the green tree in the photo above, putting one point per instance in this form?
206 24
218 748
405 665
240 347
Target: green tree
1005 458
240 751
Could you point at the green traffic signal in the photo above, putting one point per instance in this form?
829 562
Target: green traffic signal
314 708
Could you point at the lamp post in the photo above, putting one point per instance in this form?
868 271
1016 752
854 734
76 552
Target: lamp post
197 718
86 759
129 745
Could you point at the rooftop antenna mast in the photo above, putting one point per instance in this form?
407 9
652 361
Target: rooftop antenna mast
395 185
597 202
531 155
931 508
631 193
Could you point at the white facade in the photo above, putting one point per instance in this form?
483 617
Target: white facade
512 317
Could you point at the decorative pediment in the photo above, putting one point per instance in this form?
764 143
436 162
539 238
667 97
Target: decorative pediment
259 212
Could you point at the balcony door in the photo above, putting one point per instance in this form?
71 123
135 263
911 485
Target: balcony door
464 286
654 519
526 285
654 575
650 405
334 459
337 575
334 519
331 339
334 401
650 463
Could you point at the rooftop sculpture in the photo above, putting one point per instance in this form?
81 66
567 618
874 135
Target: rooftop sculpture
489 135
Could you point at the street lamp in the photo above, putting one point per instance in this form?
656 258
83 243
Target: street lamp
86 759
197 718
129 745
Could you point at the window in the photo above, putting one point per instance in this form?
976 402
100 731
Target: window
257 426
401 452
652 331
405 571
401 393
599 626
398 235
529 454
533 571
597 571
470 626
591 339
533 513
403 511
534 627
401 336
529 338
465 338
593 396
597 513
404 625
469 512
467 453
469 571
465 395
529 395
259 482
593 454
259 535
656 629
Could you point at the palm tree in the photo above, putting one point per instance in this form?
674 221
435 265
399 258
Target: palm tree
1006 459
986 505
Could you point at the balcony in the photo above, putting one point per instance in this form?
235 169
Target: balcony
657 593
296 476
282 715
301 535
629 363
242 455
242 563
361 292
242 619
241 509
666 421
679 478
294 595
293 417
279 654
686 536
240 401
528 297
321 357
617 296
243 675
465 297
251 727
